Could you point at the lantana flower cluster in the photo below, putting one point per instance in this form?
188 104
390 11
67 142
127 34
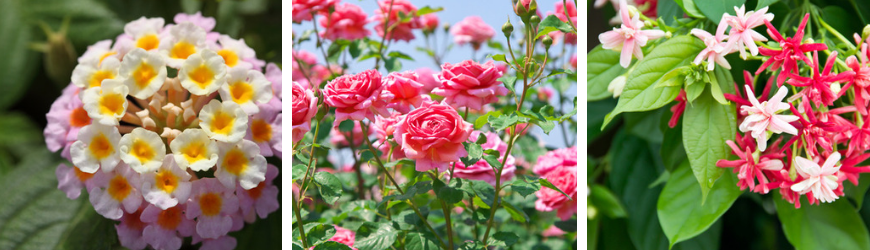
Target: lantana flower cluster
168 128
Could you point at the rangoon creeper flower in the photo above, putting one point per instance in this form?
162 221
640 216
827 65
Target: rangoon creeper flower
246 88
629 38
820 180
108 103
143 150
92 72
211 204
168 186
617 85
203 73
120 189
716 47
748 168
144 72
820 87
241 163
223 121
791 50
96 148
762 117
185 39
861 79
741 33
193 149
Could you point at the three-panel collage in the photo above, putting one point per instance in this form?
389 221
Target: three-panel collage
415 124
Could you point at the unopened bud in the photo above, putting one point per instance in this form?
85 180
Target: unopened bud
547 41
866 32
60 56
669 34
535 20
446 27
507 28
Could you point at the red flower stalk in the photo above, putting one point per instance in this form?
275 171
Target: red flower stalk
791 50
678 109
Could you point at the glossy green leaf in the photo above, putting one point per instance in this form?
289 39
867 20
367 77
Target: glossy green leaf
713 9
706 126
826 226
516 214
19 61
524 188
606 202
544 182
504 239
329 186
689 8
672 151
299 171
319 233
331 245
602 66
764 3
669 11
375 236
552 23
421 241
640 93
449 194
501 122
680 211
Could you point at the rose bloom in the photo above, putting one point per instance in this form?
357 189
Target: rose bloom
405 90
346 22
564 178
343 236
433 135
429 22
427 77
471 30
340 138
304 108
305 68
559 158
304 10
402 31
570 38
470 84
481 170
357 96
385 127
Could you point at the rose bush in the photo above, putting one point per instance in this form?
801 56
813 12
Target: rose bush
391 157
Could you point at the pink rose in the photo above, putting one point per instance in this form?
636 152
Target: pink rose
564 178
545 93
427 77
470 84
303 10
559 158
401 31
574 61
405 90
429 22
346 22
304 108
433 135
553 231
340 138
471 30
357 96
344 236
385 127
559 12
303 63
522 128
482 170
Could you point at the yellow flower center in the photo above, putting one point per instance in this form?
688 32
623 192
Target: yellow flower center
230 57
148 42
222 123
143 75
202 76
210 204
166 181
119 188
100 146
241 92
142 151
169 218
79 117
107 54
82 176
182 50
194 152
98 77
261 130
235 162
112 104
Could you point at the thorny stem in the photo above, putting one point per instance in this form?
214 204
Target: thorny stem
308 170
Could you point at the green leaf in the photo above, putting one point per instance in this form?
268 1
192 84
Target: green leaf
297 247
319 233
544 182
679 206
552 23
329 186
332 245
335 49
524 188
299 171
827 226
706 126
516 214
606 202
426 10
355 49
669 10
690 8
400 55
472 245
713 10
504 239
346 126
672 151
493 161
392 64
375 236
857 193
447 193
19 61
499 123
602 66
640 93
509 82
421 241
499 57
764 3
693 91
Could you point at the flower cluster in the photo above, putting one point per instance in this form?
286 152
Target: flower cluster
168 128
560 168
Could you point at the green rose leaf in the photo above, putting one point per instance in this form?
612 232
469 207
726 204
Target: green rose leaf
826 226
319 233
332 245
422 241
706 126
375 236
329 186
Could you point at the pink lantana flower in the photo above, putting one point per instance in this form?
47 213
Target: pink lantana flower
264 128
65 118
130 229
211 203
716 49
741 33
70 180
166 227
821 180
119 192
260 200
629 38
762 117
225 242
168 186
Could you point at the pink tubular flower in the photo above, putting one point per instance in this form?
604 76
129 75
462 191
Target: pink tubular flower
429 22
564 178
433 135
346 22
65 118
629 38
470 84
130 230
212 204
481 170
678 109
357 96
72 179
260 200
748 169
166 227
716 47
385 127
556 159
822 181
741 33
403 30
791 50
472 30
860 81
304 108
356 135
304 10
405 90
818 87
225 242
762 117
117 193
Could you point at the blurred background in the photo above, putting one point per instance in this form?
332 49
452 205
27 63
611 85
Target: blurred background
36 61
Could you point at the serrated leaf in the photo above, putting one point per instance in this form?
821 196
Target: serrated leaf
602 66
329 186
525 188
447 193
299 171
499 123
552 23
504 239
398 54
421 241
331 245
375 236
493 161
706 126
516 214
319 233
640 93
544 182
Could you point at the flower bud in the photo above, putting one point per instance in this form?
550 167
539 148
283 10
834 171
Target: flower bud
507 28
60 56
446 27
866 32
535 19
547 41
